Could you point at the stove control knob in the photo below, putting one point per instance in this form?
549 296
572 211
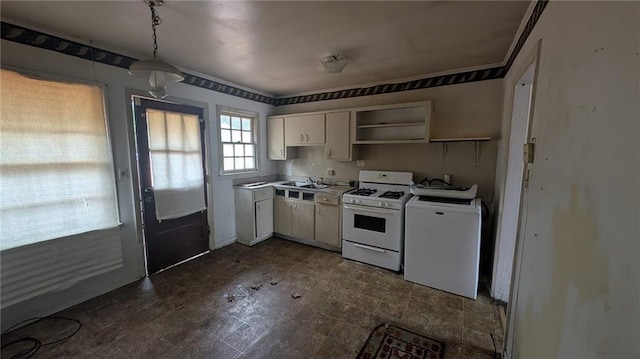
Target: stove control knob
356 201
382 204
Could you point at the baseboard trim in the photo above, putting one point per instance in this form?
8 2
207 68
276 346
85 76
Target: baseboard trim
225 243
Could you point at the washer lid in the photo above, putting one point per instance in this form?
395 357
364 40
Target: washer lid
445 191
460 201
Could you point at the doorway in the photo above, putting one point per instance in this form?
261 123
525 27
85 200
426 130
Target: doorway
170 145
508 222
512 222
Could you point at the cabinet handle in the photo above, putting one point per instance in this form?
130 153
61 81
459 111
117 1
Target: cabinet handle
329 152
301 138
307 137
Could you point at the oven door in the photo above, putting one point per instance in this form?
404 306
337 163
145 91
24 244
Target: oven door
371 226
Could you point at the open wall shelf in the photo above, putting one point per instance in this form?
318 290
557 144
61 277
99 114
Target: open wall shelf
402 123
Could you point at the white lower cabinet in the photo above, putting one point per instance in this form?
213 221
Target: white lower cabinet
254 214
294 218
303 220
264 218
282 216
328 225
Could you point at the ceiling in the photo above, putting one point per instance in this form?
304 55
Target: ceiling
274 47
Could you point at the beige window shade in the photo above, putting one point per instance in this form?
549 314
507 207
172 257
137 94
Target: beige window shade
175 150
56 176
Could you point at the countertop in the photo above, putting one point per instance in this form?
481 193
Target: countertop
334 189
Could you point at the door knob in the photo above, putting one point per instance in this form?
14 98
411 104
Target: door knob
148 190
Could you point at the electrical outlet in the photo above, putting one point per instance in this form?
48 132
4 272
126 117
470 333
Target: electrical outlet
331 172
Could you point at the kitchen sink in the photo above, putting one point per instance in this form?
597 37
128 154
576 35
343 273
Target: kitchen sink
315 186
305 185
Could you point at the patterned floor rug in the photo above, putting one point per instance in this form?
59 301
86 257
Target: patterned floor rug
390 342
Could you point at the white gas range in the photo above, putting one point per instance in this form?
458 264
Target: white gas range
373 218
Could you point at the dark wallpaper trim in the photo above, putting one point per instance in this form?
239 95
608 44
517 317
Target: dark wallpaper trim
25 36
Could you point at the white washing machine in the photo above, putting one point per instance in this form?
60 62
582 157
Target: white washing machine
442 243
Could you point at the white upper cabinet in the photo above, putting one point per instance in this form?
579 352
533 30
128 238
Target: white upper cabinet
276 149
303 130
338 145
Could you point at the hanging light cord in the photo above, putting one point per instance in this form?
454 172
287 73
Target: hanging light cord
155 21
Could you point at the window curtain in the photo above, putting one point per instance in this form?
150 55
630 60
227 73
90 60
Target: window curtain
175 151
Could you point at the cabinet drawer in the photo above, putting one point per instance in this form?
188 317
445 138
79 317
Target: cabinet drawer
366 254
262 194
327 199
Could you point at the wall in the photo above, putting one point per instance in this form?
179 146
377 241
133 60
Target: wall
579 278
118 84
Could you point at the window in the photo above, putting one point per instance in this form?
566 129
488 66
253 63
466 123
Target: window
56 174
238 142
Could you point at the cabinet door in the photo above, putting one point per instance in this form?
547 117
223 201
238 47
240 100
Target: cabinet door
304 130
275 138
293 132
302 220
282 216
328 225
338 146
264 218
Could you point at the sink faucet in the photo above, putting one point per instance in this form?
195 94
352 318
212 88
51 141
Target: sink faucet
310 180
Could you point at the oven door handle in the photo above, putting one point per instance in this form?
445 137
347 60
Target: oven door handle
372 210
369 248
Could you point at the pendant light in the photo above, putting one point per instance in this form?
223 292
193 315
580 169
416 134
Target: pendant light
158 72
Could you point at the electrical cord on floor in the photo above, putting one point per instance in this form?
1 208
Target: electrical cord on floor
37 344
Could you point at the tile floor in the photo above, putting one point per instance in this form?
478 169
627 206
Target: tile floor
185 312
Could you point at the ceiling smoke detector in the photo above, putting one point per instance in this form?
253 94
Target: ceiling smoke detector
334 63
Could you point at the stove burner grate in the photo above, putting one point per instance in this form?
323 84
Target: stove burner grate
392 194
363 191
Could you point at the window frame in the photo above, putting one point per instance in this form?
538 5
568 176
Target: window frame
47 76
255 118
